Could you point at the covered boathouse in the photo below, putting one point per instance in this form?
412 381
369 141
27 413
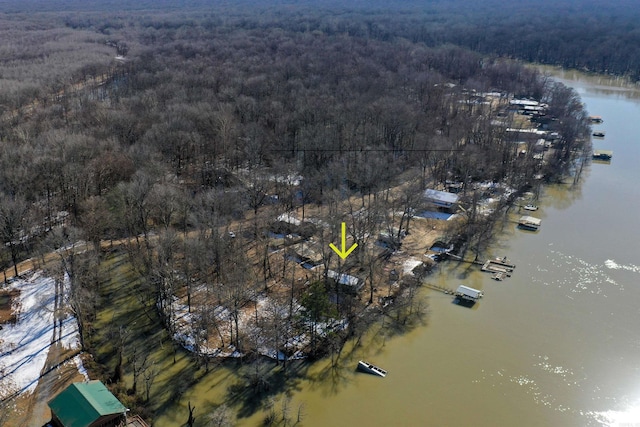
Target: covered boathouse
469 294
88 404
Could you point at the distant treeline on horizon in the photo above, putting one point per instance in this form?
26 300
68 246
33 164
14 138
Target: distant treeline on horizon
590 35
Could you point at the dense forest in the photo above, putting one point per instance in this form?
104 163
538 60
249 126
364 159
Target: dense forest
592 35
177 137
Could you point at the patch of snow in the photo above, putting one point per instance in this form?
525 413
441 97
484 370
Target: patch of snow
81 369
79 247
293 180
318 222
187 329
70 335
289 219
410 264
24 345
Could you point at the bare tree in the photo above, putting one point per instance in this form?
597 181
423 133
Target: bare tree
220 417
191 420
149 373
13 212
139 363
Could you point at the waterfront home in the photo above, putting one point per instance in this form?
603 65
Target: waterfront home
348 282
441 199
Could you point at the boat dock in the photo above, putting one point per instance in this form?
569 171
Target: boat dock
459 258
371 369
500 276
529 223
442 289
499 265
469 294
602 155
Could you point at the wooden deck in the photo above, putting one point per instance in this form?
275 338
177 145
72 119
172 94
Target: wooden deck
136 421
498 266
439 288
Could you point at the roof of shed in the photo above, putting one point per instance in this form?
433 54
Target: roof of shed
81 404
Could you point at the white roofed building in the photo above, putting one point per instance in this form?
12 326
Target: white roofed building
441 199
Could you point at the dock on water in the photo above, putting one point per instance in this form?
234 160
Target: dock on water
469 294
439 288
500 276
499 265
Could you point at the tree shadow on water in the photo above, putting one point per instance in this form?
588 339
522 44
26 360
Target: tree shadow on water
260 382
335 375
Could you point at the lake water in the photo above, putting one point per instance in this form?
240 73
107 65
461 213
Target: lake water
556 344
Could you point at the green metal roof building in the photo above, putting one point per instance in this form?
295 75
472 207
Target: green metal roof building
88 404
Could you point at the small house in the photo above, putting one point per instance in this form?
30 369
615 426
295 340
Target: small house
287 224
441 199
523 103
306 253
88 404
350 284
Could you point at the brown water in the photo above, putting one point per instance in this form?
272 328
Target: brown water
557 344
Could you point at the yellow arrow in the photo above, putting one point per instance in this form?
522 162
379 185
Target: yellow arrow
344 252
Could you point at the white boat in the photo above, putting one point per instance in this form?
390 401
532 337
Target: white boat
530 207
371 369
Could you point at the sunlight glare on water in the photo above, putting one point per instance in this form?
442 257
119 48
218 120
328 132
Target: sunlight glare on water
612 265
625 418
